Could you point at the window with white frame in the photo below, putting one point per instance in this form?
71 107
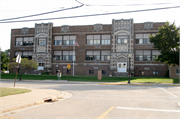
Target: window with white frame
146 55
106 40
58 40
93 55
24 54
64 55
155 53
24 41
42 41
105 55
98 39
96 55
64 40
142 38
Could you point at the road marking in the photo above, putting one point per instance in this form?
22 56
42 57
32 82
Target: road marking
175 100
167 92
147 109
105 114
139 96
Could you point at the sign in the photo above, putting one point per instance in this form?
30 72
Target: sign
18 58
68 66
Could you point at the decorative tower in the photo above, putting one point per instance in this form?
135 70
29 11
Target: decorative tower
42 46
122 47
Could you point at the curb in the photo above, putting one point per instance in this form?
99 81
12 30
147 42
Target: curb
140 84
99 83
31 103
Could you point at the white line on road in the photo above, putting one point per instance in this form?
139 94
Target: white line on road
124 99
132 96
167 92
147 109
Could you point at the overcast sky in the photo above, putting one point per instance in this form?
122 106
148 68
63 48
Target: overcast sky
18 8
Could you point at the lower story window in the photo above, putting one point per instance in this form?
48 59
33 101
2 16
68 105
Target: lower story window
155 72
177 71
103 71
91 71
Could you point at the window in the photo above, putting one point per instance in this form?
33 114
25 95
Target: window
97 55
121 41
57 55
106 40
64 40
146 55
98 39
105 55
155 53
63 55
24 41
139 55
91 71
155 72
142 39
58 40
24 54
177 71
93 55
42 41
68 40
103 71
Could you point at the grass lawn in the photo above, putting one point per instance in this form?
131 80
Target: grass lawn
12 91
93 78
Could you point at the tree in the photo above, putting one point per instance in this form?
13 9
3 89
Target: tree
167 43
25 63
4 60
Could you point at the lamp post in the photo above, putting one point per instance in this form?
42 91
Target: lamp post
129 70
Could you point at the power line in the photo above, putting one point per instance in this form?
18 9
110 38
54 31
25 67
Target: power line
93 15
44 13
130 4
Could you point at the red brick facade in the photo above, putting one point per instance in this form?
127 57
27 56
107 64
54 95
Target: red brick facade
82 66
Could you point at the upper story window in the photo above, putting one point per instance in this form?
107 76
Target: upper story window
64 40
122 41
58 40
142 38
42 41
24 41
98 39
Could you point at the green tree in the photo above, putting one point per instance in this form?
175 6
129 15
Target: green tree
4 61
167 43
25 63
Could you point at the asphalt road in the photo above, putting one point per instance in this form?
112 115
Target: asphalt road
93 101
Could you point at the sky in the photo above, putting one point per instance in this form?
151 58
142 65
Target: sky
19 8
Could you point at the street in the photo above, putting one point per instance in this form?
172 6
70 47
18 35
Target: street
94 101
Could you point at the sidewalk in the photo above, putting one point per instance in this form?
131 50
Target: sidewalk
36 96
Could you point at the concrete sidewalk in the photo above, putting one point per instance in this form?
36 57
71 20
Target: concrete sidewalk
36 96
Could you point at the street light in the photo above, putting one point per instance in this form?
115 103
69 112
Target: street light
129 70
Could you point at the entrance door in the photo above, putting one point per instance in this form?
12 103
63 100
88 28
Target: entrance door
121 67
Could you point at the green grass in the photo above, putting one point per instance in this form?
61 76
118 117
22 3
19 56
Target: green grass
12 91
93 78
